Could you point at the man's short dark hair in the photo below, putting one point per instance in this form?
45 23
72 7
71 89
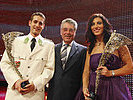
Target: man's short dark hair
37 14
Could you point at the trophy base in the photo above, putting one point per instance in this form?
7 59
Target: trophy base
23 84
92 96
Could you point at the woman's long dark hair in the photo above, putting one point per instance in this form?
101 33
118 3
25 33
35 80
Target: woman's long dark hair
91 38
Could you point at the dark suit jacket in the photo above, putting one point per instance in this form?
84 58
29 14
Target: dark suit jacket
65 83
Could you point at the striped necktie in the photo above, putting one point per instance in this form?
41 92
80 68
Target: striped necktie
64 55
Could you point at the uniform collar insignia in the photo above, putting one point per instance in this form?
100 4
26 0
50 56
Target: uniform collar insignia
26 40
40 42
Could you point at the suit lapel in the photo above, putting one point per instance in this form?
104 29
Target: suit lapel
36 49
27 43
73 50
72 53
58 56
27 48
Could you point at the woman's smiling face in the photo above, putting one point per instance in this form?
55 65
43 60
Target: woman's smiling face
97 26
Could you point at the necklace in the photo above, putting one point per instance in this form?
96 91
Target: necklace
98 43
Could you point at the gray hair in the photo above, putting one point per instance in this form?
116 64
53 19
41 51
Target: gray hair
70 21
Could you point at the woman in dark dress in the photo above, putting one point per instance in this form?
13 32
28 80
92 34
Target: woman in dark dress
111 85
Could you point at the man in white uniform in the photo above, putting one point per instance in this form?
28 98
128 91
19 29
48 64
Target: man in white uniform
36 65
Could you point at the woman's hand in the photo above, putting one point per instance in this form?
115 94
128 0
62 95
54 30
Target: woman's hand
86 93
104 71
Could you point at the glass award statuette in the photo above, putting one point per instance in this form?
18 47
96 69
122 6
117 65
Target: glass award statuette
8 39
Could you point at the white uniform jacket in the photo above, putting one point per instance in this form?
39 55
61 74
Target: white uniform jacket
37 66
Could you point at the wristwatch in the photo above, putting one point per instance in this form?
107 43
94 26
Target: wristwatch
113 73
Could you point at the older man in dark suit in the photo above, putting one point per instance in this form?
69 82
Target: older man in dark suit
69 60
